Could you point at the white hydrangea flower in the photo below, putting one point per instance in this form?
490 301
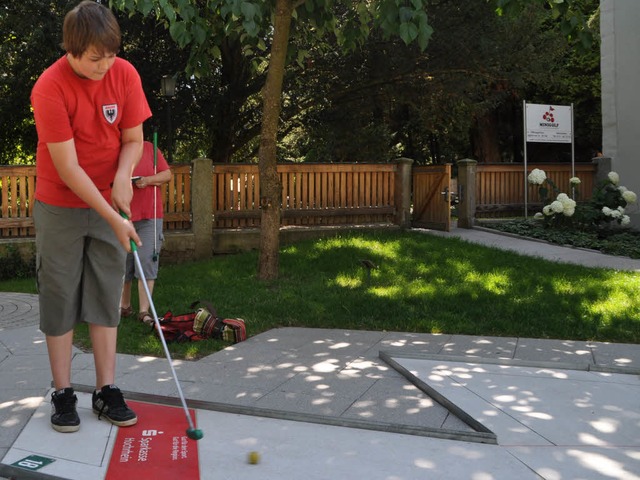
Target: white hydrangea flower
538 216
620 209
547 210
569 211
616 214
606 211
614 178
626 220
574 181
629 196
557 206
566 201
622 189
537 176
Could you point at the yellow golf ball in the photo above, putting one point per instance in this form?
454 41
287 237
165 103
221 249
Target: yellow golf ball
253 458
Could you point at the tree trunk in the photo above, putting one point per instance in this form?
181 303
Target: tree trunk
486 147
270 185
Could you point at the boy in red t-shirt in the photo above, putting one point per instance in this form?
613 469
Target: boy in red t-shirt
89 107
146 215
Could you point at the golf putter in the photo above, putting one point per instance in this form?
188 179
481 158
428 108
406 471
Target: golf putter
155 193
192 432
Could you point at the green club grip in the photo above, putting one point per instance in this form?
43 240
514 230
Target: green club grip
134 247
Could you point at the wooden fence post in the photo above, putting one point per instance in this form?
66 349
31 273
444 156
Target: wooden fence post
402 189
467 191
202 207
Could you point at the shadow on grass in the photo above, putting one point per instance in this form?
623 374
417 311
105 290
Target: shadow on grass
420 283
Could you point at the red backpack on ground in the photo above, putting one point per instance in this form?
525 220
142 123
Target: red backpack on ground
201 324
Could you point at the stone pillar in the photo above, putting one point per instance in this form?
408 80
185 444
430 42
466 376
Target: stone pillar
603 167
202 207
467 191
403 192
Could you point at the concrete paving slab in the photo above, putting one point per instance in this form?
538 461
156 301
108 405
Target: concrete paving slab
578 352
624 355
328 385
301 402
288 449
24 341
4 352
250 373
528 440
581 462
295 450
90 441
18 310
230 394
25 372
16 408
476 346
393 400
409 343
369 367
561 423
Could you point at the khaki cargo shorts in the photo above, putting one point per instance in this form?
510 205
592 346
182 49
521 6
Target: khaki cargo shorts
79 268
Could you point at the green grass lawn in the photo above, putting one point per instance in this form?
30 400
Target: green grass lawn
422 283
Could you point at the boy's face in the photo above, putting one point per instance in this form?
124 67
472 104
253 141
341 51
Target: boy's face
93 64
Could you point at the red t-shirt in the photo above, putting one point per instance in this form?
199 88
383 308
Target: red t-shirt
93 114
142 203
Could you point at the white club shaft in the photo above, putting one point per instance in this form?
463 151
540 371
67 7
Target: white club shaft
142 279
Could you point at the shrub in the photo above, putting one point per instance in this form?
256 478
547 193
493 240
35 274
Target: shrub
607 205
13 265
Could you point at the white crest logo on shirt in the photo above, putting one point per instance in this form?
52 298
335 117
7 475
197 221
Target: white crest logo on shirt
110 112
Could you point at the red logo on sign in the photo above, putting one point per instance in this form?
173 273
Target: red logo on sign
548 115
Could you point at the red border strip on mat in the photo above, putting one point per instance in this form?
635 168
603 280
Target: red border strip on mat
155 448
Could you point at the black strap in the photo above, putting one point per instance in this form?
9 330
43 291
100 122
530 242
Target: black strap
207 305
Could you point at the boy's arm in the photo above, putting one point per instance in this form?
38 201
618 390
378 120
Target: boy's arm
65 159
130 153
155 180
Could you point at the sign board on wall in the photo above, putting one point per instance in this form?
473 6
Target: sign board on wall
549 123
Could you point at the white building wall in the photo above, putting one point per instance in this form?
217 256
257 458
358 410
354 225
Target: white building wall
620 70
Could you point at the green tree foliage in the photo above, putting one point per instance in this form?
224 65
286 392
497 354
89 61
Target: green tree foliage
200 25
464 93
30 38
573 17
381 100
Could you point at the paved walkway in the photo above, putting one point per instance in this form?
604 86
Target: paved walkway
396 385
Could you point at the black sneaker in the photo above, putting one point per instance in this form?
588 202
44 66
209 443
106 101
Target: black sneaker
109 403
64 417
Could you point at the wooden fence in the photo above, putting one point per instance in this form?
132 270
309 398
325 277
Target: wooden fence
500 187
176 199
17 187
312 194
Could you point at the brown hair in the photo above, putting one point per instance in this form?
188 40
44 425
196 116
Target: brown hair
90 24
